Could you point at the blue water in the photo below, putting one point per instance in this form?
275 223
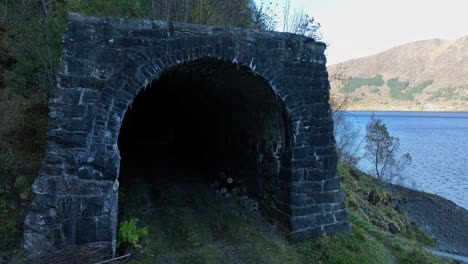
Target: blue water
438 144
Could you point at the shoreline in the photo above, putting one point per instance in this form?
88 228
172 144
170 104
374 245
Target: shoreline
443 218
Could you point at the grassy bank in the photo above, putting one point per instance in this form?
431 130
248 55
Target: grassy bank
211 229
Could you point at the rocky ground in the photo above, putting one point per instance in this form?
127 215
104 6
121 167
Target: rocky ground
444 219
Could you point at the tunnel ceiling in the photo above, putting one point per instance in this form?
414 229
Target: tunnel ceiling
267 88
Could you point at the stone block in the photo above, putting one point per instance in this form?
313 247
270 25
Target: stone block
86 228
71 139
341 216
338 228
324 218
332 184
303 222
305 210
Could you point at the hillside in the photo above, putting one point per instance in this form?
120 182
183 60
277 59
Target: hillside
427 75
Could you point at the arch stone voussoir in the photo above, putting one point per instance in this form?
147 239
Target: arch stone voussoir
104 65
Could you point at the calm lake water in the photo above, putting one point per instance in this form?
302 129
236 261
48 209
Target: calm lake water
438 144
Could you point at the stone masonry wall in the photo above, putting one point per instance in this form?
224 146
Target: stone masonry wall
104 64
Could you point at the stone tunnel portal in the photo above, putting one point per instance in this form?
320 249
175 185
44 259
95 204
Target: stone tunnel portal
205 118
205 112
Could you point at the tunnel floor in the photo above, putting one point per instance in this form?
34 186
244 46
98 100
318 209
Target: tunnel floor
189 222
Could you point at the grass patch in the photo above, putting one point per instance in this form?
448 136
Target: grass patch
190 224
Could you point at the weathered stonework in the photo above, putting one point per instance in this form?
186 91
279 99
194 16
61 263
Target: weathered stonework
107 61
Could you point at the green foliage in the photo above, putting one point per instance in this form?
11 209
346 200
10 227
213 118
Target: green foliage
188 235
263 16
449 93
239 13
396 88
445 93
382 150
356 83
419 88
358 247
129 232
22 140
417 256
369 242
8 233
121 8
400 91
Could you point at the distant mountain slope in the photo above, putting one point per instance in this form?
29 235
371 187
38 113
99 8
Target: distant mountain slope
427 75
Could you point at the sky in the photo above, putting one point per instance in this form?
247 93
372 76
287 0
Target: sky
357 28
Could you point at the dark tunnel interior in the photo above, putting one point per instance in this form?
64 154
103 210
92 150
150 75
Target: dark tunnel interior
202 118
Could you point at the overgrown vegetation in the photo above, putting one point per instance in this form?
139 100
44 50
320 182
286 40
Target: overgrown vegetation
356 83
129 232
195 226
371 240
8 229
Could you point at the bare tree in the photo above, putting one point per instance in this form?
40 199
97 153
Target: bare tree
348 140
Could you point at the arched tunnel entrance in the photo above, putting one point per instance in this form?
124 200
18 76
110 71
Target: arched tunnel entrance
202 121
207 126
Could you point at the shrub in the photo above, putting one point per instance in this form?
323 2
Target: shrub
129 232
8 233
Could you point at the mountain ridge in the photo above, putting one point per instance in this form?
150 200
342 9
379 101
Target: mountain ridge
427 75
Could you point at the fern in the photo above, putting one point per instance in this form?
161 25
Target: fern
129 232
